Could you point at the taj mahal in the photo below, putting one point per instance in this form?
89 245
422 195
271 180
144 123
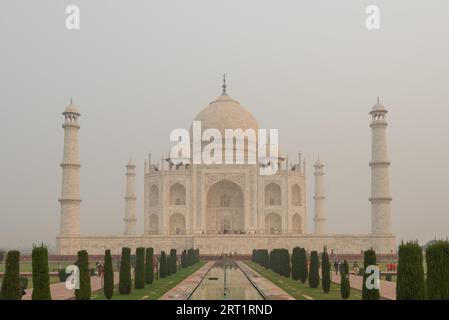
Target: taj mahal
225 208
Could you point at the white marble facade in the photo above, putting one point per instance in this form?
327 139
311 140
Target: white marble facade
222 208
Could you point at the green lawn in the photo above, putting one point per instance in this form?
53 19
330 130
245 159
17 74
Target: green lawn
302 291
152 291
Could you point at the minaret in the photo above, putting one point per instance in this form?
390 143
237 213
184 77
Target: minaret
130 199
380 186
319 197
70 193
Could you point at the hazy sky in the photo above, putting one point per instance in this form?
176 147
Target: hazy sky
138 69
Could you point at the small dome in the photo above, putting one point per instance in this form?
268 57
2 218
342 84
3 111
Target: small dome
71 109
378 107
318 164
131 163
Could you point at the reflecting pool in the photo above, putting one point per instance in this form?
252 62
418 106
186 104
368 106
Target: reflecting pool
224 281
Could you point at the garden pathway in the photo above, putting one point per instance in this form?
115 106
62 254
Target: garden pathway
60 292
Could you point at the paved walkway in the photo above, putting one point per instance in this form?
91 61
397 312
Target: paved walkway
183 290
60 292
387 288
269 290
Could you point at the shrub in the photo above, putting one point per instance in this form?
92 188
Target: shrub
163 265
84 292
41 278
369 259
124 284
184 259
303 269
190 257
173 261
168 259
325 271
286 268
295 263
345 286
11 284
410 283
108 287
437 260
139 271
314 276
261 257
149 272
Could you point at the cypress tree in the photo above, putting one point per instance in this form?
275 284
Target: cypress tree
437 260
173 261
149 272
184 259
84 292
325 271
169 267
139 271
410 283
189 257
287 267
163 265
124 284
11 282
303 268
314 276
108 287
345 286
295 263
41 277
369 259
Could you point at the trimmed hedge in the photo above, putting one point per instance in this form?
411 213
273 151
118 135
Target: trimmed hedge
124 284
139 271
345 286
173 261
314 276
437 260
410 284
303 269
261 257
184 263
84 292
296 261
369 259
108 287
163 272
41 277
149 271
325 272
11 282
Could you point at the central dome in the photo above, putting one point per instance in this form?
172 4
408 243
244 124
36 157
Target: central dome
226 113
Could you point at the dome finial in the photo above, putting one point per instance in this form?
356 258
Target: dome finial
71 101
224 83
378 100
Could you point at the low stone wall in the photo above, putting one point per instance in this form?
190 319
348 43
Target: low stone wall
225 244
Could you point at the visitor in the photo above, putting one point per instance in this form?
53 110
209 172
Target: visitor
336 266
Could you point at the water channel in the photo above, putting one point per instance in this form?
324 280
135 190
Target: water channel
225 281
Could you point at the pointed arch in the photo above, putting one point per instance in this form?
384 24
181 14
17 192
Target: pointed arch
177 195
272 194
